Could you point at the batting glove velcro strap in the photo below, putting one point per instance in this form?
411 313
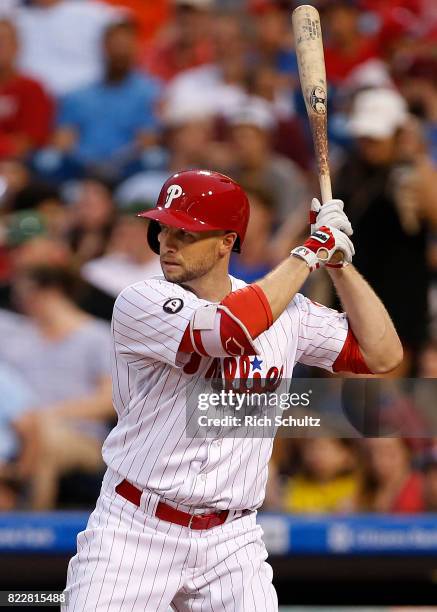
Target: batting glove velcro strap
321 246
330 214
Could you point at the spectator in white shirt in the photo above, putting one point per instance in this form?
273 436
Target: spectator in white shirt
62 354
61 41
224 80
128 259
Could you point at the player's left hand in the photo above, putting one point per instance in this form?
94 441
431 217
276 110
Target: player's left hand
327 246
330 214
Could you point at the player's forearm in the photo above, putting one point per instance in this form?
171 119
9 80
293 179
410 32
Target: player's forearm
369 320
283 282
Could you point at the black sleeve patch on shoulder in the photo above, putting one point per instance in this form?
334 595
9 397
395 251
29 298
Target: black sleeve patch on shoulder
173 305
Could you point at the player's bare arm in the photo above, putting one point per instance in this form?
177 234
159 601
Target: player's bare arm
282 284
368 319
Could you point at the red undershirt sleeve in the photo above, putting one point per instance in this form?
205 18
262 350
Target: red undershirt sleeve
350 358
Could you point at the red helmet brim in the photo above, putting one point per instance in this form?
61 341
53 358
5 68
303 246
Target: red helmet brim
178 219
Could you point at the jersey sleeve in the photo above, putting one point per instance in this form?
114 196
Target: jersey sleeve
150 318
322 334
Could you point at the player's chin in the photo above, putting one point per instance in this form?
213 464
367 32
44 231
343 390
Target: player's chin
173 273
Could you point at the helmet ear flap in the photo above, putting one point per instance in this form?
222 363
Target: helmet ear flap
152 236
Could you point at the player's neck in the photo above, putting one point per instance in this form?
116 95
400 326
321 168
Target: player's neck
211 287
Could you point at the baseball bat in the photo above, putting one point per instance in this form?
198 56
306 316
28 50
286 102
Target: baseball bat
311 62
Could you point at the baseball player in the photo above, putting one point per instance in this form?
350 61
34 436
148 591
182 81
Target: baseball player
175 523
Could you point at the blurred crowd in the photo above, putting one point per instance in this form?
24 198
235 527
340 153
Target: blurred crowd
100 101
337 475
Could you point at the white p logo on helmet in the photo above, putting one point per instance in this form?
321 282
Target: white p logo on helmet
173 192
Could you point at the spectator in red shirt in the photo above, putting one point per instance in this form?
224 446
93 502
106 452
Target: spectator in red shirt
26 111
346 47
388 481
185 42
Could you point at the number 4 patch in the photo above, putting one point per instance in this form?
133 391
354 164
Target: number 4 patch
173 306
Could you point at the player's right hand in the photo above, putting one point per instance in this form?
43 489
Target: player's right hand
330 214
323 248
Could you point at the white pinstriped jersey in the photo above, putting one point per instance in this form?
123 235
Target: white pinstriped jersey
149 446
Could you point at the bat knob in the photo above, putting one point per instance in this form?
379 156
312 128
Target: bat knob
323 254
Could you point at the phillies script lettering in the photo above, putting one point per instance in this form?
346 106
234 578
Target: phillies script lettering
236 374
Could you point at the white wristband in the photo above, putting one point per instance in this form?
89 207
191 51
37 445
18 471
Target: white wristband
309 257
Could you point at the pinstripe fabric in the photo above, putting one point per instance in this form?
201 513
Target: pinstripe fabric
149 446
129 560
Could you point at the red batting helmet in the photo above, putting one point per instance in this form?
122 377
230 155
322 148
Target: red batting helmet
199 201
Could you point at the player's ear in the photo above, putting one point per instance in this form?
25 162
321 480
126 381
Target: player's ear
227 242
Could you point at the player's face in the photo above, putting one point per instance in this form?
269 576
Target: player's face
187 256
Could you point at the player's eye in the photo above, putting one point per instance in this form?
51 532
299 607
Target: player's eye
187 236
